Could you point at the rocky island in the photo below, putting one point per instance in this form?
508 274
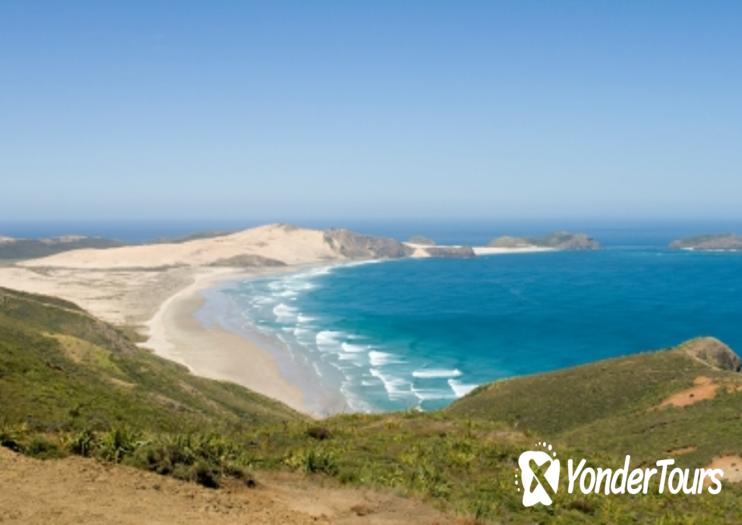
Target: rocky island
422 246
560 240
722 242
421 239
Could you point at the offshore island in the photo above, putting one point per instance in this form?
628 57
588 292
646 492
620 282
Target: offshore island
718 242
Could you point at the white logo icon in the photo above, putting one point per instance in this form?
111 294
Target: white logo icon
539 475
540 469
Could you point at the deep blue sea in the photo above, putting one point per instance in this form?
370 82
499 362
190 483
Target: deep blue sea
420 333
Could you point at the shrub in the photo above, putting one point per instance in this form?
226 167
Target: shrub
206 474
42 448
319 433
81 443
12 437
118 444
193 457
321 462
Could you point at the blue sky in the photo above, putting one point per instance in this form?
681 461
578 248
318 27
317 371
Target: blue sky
306 110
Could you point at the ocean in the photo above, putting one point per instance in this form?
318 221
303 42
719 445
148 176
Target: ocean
417 334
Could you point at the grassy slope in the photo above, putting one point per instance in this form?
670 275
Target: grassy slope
609 406
61 369
466 455
64 373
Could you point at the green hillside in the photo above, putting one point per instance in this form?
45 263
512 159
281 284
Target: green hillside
70 383
63 370
614 405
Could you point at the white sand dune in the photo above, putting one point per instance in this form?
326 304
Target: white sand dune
283 243
156 288
126 285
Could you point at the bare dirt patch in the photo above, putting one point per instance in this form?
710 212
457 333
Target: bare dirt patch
83 491
731 465
703 389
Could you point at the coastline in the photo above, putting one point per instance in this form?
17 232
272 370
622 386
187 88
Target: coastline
216 351
163 291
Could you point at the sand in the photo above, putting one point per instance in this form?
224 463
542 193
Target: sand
121 297
275 242
213 352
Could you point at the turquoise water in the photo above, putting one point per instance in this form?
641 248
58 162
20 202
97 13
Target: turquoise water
420 333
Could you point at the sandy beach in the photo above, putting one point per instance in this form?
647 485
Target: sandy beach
215 352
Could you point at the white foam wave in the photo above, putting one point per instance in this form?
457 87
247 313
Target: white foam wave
395 387
356 358
284 312
426 394
430 373
328 339
461 389
361 263
353 349
355 403
322 270
377 358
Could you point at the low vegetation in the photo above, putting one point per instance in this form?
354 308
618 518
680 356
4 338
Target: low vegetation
63 370
70 384
15 249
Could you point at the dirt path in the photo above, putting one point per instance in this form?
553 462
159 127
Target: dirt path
84 491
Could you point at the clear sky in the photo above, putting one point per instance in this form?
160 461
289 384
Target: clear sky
291 110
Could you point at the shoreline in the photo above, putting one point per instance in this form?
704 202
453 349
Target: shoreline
254 360
174 333
160 291
216 351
